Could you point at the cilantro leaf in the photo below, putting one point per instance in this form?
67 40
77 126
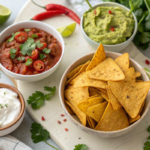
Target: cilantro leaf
148 129
37 99
27 30
12 37
39 134
146 146
27 47
42 56
39 44
135 4
34 36
80 147
47 51
28 62
145 37
12 53
21 58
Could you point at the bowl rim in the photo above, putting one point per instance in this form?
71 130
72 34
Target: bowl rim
121 6
22 102
78 123
45 24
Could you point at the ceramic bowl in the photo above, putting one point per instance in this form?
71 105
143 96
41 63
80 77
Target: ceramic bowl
32 24
113 48
102 134
15 124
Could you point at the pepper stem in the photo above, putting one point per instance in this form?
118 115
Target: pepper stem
51 145
89 4
38 5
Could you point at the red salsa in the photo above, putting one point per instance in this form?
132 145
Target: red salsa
30 51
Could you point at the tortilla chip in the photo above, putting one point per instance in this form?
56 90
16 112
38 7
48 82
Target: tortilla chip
130 75
69 109
123 62
131 120
139 81
98 57
96 111
113 100
130 95
103 90
107 70
137 74
112 120
84 80
76 96
84 66
74 71
141 109
93 122
105 96
94 91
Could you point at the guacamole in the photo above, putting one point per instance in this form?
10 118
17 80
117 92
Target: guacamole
108 25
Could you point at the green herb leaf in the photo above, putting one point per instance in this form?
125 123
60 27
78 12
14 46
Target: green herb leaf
12 53
148 129
135 4
146 146
124 2
39 134
21 58
42 56
37 99
145 37
1 106
138 13
27 30
6 105
148 74
39 44
12 37
28 46
34 36
81 147
47 51
28 62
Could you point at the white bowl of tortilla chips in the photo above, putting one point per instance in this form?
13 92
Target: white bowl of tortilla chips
105 94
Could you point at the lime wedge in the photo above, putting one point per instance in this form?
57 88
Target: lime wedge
147 72
67 30
4 14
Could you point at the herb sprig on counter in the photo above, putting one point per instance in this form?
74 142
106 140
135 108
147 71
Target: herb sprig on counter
147 143
141 9
39 134
80 147
38 98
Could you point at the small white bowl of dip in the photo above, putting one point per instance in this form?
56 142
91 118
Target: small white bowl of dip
12 109
116 47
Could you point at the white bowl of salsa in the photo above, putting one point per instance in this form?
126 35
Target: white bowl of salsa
30 50
121 42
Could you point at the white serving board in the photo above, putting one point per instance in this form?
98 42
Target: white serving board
75 47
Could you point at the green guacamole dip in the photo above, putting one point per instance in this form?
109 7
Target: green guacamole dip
108 25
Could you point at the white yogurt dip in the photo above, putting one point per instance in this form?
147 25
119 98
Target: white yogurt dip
10 107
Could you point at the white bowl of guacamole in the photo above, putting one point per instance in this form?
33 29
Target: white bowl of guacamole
110 24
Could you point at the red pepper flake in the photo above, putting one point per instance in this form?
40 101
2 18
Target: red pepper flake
112 29
95 12
62 115
110 12
65 120
66 129
79 138
147 62
43 119
59 122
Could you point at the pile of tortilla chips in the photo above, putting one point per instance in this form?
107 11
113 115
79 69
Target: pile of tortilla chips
106 94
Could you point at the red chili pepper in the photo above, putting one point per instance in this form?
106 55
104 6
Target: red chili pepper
48 14
43 118
69 13
112 29
147 62
110 12
59 122
95 12
64 120
62 115
66 129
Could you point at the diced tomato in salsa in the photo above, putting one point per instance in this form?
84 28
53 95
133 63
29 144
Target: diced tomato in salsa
17 63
